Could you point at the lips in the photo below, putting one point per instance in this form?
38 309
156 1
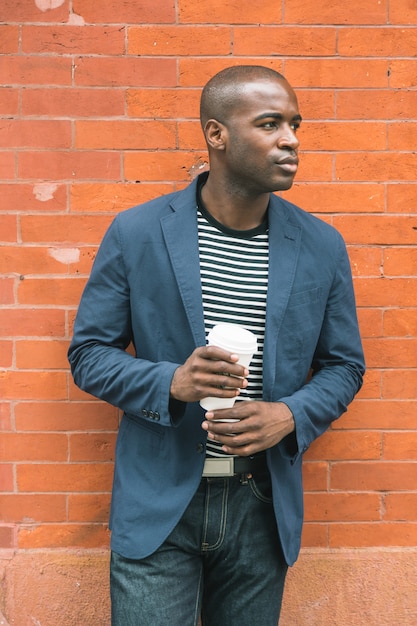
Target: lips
289 164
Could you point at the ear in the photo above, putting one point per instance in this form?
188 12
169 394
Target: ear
215 133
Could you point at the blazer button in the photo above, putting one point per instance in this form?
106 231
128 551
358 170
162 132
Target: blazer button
200 448
156 416
145 413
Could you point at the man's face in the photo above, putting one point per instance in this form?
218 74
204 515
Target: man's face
261 146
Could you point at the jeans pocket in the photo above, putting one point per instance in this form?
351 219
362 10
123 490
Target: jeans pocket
261 487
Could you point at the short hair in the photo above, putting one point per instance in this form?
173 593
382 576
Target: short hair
220 94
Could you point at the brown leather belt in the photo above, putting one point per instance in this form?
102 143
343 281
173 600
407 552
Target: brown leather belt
234 465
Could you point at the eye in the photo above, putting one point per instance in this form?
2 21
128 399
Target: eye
269 125
295 126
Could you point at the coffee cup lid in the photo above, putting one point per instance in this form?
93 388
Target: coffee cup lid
233 337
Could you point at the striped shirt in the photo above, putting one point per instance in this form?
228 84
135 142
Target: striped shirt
234 279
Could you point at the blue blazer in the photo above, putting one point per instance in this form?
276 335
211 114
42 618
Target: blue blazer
145 290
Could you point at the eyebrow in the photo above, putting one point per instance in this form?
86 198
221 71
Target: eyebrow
277 116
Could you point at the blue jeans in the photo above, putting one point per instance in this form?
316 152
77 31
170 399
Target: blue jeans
223 560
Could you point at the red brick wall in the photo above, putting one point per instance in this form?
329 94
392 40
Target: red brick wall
98 111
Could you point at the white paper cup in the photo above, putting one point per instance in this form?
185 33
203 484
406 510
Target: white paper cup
237 340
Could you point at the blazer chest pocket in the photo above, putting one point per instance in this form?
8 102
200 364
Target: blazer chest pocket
302 324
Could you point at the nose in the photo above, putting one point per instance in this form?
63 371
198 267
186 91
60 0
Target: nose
288 139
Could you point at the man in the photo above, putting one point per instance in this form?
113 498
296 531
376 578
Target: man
188 535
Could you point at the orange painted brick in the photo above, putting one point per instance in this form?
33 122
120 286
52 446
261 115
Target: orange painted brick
65 416
376 104
386 291
402 135
113 198
401 197
403 12
179 40
400 506
125 71
125 135
381 414
394 351
190 136
159 166
340 445
400 446
373 476
400 384
284 40
377 42
41 354
371 386
337 73
63 536
377 229
195 72
400 323
93 507
370 322
334 12
9 101
30 260
29 322
33 385
6 477
9 39
400 261
5 416
22 508
337 197
28 11
336 136
44 197
6 292
106 40
314 535
316 104
19 447
6 353
7 166
71 165
69 102
403 73
373 534
8 537
163 103
365 261
62 477
342 507
315 167
64 228
230 12
8 228
315 475
32 70
108 11
84 263
41 291
92 447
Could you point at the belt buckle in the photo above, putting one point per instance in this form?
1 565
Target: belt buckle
218 467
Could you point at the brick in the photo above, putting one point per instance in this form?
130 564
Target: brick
315 475
179 40
400 506
70 102
63 536
342 445
64 478
400 446
315 167
399 384
376 229
29 198
196 72
370 322
125 135
371 386
35 134
400 261
19 447
65 416
232 11
342 507
336 136
28 11
85 261
30 260
24 508
112 198
386 291
190 136
6 477
7 166
29 322
402 135
334 12
365 261
7 537
401 197
284 40
378 41
63 39
50 291
5 416
159 166
64 228
337 197
163 103
9 39
59 165
372 534
7 291
314 536
92 447
400 323
397 352
6 354
337 73
140 11
374 166
382 414
376 104
403 74
403 12
32 70
8 228
9 101
33 385
41 354
93 507
125 71
372 476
